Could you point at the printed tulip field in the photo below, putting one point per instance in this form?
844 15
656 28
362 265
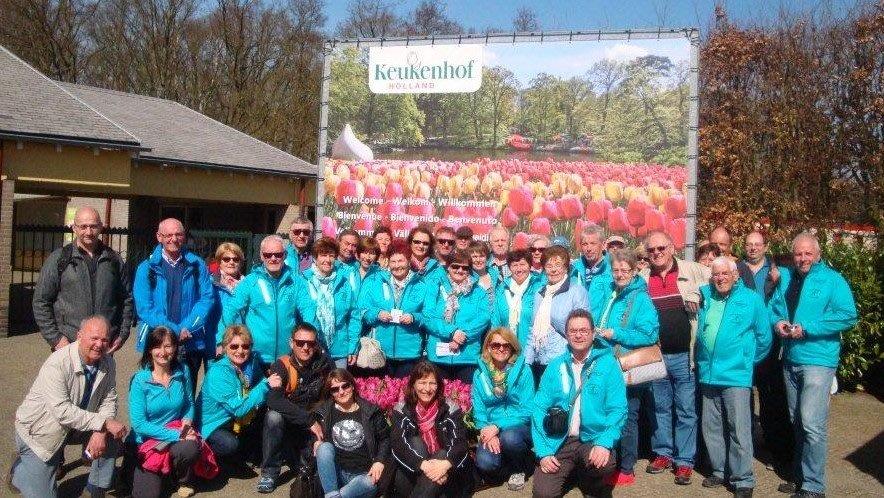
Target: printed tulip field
549 197
385 392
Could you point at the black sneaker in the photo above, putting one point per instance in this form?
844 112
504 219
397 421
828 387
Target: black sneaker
743 493
808 494
787 487
712 482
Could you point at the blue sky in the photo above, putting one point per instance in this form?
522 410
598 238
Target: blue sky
607 14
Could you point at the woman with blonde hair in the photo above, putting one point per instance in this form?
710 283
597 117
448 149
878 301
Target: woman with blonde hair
503 390
231 260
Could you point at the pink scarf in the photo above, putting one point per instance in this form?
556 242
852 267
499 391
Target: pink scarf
426 423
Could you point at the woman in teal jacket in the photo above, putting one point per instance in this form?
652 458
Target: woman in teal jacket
503 390
627 319
457 316
392 304
514 302
331 306
159 394
233 389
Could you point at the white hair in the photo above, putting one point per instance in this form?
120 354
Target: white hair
591 229
535 237
272 238
808 237
724 261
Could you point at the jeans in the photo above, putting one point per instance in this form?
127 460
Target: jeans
463 373
400 368
193 360
629 441
727 432
515 453
808 393
675 395
35 478
337 482
773 410
274 437
223 442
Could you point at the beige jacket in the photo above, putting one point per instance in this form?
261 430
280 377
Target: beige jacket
691 276
49 411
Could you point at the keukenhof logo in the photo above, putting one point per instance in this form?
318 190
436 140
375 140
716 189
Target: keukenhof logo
425 69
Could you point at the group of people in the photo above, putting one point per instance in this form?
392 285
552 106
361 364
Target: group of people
545 341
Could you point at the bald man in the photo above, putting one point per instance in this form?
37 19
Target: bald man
173 288
81 279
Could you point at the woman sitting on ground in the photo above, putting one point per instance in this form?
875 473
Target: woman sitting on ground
356 440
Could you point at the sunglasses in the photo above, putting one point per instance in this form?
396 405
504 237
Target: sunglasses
271 255
445 242
302 232
656 249
304 344
421 242
537 249
228 259
459 267
500 346
235 347
341 388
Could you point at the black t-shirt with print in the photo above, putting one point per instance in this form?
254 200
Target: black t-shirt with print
348 436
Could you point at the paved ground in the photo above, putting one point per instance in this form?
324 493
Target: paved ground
856 449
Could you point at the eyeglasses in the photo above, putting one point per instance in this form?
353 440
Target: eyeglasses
616 245
340 388
235 347
170 236
425 243
228 259
578 332
656 249
271 255
88 226
500 346
303 232
538 249
445 242
456 267
618 271
304 343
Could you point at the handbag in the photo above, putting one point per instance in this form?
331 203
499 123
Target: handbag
370 355
641 364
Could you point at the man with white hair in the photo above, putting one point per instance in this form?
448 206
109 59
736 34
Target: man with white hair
592 265
733 334
499 240
173 288
298 253
813 306
268 298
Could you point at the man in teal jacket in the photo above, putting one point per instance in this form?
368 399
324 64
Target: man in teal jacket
592 268
812 306
587 384
734 333
270 298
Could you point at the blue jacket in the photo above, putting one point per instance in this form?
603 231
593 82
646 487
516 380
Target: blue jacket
743 338
223 299
221 399
152 406
825 309
570 296
633 316
344 340
602 401
501 313
398 341
197 299
578 271
511 410
270 309
432 272
472 318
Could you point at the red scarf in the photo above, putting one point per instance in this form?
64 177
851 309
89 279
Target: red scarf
426 423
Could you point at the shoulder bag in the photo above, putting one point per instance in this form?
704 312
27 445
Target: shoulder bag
641 364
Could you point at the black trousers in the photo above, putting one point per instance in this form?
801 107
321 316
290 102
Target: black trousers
408 484
779 436
150 485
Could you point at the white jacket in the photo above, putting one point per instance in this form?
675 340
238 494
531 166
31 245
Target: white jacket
49 411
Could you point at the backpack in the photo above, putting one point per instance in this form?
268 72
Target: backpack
293 375
67 257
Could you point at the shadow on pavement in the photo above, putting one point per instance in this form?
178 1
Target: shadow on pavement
867 458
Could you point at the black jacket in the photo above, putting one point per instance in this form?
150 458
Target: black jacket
377 430
450 429
295 408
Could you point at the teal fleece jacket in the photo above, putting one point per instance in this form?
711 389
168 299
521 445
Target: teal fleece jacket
602 401
825 310
398 341
152 405
501 313
344 339
472 318
221 401
633 316
513 409
744 338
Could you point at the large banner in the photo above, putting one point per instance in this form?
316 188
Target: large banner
540 134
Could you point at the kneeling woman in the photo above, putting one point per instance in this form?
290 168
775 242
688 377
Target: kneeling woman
503 390
233 389
161 410
429 440
356 440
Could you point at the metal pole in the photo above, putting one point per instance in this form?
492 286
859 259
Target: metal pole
323 136
693 127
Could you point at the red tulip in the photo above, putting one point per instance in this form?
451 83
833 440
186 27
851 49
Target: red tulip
365 226
617 221
521 200
348 192
540 226
508 217
570 207
654 220
675 206
597 211
550 210
329 227
520 241
677 229
635 211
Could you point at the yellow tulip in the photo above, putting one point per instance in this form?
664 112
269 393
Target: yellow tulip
613 191
597 192
331 184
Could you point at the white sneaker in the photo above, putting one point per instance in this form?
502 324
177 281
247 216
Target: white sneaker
516 482
185 491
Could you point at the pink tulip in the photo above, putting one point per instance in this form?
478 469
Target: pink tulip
520 240
654 220
347 192
635 211
329 227
508 217
677 229
550 210
540 226
521 200
374 192
675 206
597 211
421 208
570 207
393 191
365 226
617 221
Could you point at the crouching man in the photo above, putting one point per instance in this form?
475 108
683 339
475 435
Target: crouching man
579 411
